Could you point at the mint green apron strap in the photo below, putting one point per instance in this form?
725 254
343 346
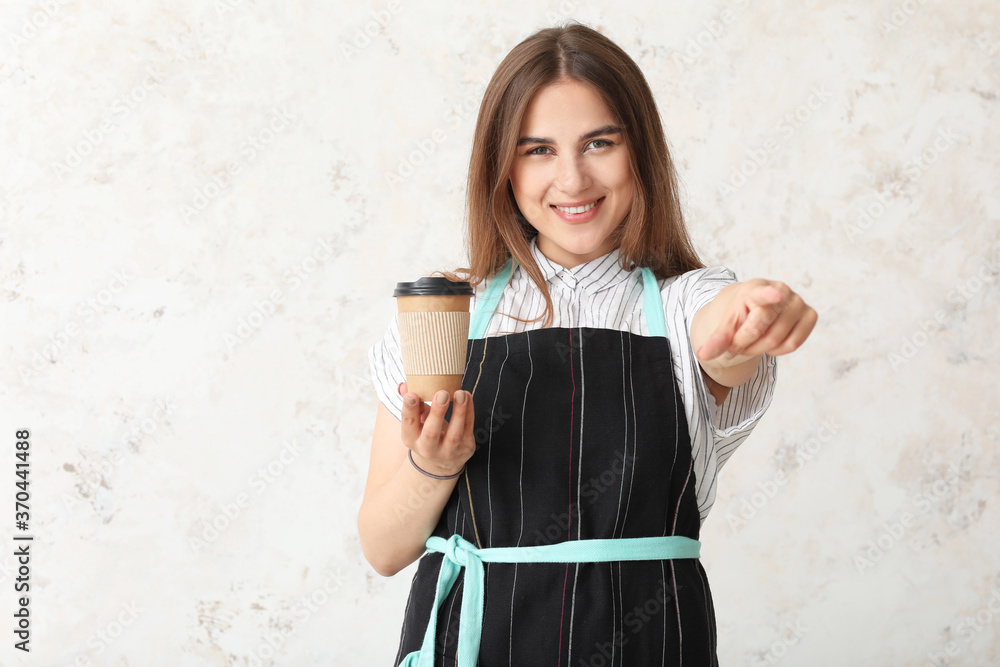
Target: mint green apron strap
652 304
459 553
488 302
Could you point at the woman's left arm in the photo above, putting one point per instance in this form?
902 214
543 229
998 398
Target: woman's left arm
744 321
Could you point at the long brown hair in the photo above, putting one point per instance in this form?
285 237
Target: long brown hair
652 234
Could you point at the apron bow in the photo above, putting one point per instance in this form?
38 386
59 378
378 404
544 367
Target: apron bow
459 552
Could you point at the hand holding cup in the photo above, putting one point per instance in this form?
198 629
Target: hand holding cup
439 446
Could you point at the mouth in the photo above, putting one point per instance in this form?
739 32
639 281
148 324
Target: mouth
578 213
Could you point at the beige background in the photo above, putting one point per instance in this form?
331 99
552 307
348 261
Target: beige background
199 241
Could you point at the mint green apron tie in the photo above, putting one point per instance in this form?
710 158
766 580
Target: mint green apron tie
459 552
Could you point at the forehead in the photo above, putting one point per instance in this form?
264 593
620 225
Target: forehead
565 109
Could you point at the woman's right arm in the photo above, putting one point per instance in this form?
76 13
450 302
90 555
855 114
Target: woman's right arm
401 505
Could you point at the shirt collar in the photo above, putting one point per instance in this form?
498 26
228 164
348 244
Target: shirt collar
594 276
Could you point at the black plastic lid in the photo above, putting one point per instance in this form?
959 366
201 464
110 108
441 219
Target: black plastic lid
434 286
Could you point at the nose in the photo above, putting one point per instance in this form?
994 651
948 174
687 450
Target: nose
571 175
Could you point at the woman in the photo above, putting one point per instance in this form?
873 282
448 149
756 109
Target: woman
560 493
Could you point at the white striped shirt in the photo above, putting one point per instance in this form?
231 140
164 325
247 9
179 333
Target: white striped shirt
600 294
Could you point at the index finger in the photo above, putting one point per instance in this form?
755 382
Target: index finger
720 339
765 309
411 416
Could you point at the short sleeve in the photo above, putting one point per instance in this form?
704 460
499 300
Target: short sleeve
386 362
701 286
732 421
715 431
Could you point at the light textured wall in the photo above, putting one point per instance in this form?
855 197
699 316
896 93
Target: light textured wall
199 242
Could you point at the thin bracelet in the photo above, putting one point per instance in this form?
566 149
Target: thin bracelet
409 455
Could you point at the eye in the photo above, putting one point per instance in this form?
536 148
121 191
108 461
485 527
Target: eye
532 151
604 141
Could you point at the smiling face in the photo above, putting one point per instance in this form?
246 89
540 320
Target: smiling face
571 176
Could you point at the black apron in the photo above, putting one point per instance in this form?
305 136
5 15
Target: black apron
581 434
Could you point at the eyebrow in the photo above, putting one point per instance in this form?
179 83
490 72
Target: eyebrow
607 129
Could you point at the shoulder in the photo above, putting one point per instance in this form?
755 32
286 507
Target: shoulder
692 289
695 277
479 290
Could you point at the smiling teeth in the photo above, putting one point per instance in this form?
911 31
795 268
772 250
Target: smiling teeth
577 209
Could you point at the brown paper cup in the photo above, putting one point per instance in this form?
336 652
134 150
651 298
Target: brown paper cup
433 335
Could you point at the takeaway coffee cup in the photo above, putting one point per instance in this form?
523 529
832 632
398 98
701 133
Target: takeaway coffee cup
433 333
